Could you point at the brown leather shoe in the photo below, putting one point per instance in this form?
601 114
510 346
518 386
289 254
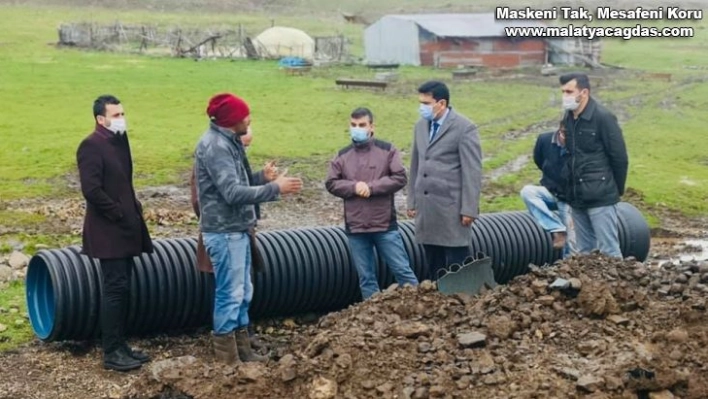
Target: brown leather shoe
558 239
245 351
225 349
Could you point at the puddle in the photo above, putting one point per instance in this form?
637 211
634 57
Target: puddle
700 255
692 250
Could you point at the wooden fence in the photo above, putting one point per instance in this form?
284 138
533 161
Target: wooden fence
179 42
225 42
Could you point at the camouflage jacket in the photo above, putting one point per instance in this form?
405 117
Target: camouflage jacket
226 197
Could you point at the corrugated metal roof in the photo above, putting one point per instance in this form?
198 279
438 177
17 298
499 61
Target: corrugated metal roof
464 25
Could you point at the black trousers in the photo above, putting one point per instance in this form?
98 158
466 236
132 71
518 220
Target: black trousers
438 258
115 300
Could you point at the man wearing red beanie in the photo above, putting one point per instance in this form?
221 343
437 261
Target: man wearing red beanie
228 195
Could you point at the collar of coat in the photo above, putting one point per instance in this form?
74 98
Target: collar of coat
589 110
228 133
109 135
364 145
449 117
442 117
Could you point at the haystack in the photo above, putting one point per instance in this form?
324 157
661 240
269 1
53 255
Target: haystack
280 41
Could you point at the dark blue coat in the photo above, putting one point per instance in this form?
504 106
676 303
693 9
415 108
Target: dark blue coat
551 158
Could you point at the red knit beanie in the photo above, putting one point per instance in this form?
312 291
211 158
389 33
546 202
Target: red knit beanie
227 110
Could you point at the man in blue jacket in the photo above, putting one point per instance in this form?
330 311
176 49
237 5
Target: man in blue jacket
547 201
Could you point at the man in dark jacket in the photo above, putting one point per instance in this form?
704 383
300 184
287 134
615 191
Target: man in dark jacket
596 169
114 229
544 200
227 193
367 174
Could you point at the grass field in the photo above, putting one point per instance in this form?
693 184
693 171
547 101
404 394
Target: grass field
14 327
46 95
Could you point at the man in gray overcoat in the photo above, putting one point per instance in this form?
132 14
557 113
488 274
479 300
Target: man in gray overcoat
445 179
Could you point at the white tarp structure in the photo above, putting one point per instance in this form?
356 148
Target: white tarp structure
280 41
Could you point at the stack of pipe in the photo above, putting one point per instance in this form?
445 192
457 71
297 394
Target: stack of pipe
306 270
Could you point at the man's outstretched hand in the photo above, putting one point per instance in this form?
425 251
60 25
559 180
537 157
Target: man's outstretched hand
270 171
288 185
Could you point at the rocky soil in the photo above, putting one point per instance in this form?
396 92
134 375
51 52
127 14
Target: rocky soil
589 327
13 266
586 327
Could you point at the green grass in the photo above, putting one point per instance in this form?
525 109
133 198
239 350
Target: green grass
15 220
299 121
32 242
17 329
164 98
284 7
508 150
670 131
667 54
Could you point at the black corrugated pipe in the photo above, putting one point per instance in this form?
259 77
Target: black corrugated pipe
306 270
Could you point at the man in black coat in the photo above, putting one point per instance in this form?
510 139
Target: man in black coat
597 167
114 229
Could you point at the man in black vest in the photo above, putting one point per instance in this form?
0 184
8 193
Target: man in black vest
596 169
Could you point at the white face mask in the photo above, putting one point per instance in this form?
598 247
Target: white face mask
118 126
570 103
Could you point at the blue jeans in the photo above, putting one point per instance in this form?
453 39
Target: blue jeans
598 228
230 253
390 245
552 215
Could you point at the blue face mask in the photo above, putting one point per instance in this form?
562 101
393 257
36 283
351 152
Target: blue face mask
359 134
426 111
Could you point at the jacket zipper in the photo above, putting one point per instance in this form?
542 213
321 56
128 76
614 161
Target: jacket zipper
575 154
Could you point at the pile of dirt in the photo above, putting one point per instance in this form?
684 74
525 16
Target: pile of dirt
586 327
72 211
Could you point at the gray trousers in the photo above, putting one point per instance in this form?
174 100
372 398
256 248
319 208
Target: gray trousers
597 228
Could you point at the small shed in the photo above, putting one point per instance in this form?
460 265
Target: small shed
451 40
280 41
577 51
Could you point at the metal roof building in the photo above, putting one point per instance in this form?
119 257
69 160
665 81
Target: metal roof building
450 39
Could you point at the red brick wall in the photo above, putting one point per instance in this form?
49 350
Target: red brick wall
493 53
528 45
451 45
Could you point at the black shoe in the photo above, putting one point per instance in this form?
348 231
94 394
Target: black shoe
137 355
119 360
